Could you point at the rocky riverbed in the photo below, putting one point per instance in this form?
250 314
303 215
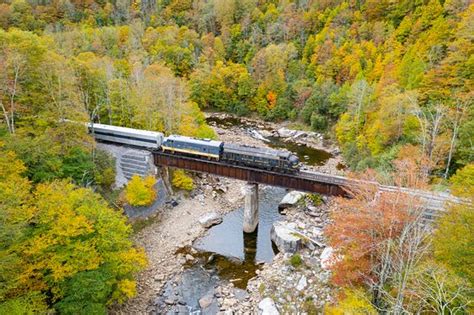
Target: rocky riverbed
295 282
172 228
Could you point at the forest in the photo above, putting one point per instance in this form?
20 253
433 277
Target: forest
381 78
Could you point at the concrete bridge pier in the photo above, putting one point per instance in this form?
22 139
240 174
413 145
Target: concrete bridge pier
250 207
164 172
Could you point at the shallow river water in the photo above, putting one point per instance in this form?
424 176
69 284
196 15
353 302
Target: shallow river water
240 254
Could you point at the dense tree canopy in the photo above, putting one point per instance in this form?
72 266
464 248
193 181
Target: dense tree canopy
376 75
383 78
61 246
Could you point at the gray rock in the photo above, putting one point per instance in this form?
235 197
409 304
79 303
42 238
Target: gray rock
265 133
317 231
170 302
327 258
291 199
267 307
240 294
284 238
299 134
181 309
286 133
189 258
302 283
256 135
205 301
210 219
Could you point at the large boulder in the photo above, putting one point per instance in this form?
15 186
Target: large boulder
284 237
257 135
291 199
286 133
267 307
299 134
210 219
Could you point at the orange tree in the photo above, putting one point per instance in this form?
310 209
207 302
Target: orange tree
378 238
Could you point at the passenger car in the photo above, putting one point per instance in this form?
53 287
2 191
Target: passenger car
130 136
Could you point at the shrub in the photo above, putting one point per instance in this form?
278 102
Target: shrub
78 165
182 181
355 301
104 173
296 260
309 306
318 122
316 199
205 132
140 191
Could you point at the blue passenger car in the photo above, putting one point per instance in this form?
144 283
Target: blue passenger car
206 148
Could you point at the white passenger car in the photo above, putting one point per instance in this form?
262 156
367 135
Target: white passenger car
130 136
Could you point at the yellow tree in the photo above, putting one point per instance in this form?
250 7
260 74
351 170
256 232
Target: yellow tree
140 191
62 242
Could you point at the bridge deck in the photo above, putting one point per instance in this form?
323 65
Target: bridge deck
322 184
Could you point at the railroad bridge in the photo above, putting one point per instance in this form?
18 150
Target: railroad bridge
302 181
313 182
307 181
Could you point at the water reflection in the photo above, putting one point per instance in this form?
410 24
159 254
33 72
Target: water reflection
239 254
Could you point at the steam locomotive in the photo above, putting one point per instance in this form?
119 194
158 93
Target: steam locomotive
230 153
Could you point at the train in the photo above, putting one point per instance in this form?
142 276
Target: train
230 153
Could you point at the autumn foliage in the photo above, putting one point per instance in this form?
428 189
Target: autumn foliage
363 224
385 246
62 247
140 191
376 233
182 181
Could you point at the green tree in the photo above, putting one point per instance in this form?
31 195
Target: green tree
74 232
227 87
454 237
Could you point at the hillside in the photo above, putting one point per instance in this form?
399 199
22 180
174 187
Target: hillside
389 82
375 75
